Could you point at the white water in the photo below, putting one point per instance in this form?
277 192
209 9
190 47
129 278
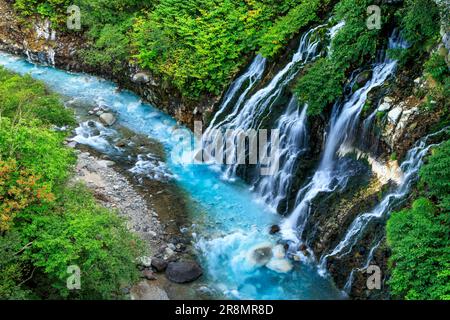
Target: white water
248 114
293 140
327 178
410 168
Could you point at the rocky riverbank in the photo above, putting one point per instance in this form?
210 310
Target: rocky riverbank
165 267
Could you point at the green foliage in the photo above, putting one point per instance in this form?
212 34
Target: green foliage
29 99
55 10
320 86
420 21
435 176
110 50
46 223
352 46
437 67
81 233
36 148
199 45
283 29
12 267
20 189
419 236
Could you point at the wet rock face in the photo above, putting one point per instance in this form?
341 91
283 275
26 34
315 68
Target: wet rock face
260 255
183 271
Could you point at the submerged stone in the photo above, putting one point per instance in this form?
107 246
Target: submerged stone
280 265
260 255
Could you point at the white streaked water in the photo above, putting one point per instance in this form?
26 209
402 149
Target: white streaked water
293 141
248 114
327 178
410 167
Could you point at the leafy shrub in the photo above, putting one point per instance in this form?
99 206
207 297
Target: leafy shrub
81 233
47 224
283 29
435 176
420 257
25 98
419 236
12 267
437 67
419 20
19 190
320 86
36 148
352 46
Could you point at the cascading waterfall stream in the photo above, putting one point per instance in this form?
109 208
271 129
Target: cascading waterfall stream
410 168
249 78
293 140
248 115
327 178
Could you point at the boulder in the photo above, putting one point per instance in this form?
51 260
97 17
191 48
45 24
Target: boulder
278 251
279 265
183 271
159 264
145 261
260 255
144 291
385 106
141 78
274 229
395 114
107 118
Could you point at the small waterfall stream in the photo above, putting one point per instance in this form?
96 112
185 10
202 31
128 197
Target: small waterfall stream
410 167
247 114
327 178
293 142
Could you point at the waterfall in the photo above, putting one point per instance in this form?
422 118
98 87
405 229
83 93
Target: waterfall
293 139
344 118
410 167
247 114
249 78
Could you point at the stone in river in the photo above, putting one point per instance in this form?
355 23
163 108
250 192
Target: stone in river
279 265
159 264
274 229
260 254
107 119
183 271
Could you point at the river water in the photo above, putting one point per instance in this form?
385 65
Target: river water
226 220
